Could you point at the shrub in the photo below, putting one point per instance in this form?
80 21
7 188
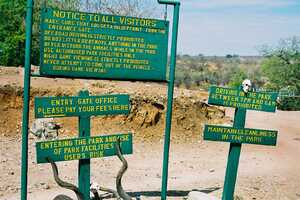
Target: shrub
289 103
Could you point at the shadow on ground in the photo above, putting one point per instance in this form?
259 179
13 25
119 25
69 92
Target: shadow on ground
171 193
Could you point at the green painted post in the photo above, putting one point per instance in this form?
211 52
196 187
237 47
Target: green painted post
26 100
176 5
233 157
84 169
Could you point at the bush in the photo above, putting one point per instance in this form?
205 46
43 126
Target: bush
289 103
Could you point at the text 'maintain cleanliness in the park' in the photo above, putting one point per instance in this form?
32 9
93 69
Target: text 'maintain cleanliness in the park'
82 147
236 135
87 45
48 107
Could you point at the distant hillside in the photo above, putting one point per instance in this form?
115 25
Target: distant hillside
202 71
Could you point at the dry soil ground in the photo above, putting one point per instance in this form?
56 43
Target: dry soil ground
265 173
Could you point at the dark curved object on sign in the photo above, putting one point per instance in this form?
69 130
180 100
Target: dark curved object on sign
63 184
121 172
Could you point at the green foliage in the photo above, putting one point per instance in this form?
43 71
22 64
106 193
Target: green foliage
200 71
237 78
183 79
12 34
282 65
64 4
289 103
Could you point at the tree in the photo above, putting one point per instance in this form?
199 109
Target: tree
282 64
12 31
136 8
64 4
237 78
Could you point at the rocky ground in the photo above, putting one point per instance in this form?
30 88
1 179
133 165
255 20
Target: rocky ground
270 173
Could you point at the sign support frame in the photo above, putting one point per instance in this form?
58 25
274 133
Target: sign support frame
267 103
26 100
167 138
84 121
84 167
233 157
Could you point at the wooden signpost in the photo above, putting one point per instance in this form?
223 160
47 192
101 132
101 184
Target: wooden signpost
82 148
98 46
46 107
260 101
237 134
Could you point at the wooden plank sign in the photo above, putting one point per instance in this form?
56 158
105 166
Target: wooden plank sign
65 106
229 97
237 135
240 135
89 45
82 147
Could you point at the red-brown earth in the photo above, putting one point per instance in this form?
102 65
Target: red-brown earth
270 173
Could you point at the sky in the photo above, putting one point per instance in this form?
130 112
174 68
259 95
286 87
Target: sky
221 27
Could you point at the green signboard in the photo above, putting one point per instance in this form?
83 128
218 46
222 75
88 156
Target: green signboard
228 97
82 148
240 135
48 107
87 45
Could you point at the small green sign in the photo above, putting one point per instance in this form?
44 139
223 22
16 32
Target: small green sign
77 44
48 107
236 135
228 97
82 148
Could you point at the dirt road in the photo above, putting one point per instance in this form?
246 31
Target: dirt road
268 173
265 173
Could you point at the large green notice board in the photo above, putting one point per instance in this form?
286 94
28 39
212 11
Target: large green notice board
86 45
228 97
65 106
82 148
240 135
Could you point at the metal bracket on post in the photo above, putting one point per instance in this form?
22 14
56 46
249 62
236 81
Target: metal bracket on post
176 4
169 2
